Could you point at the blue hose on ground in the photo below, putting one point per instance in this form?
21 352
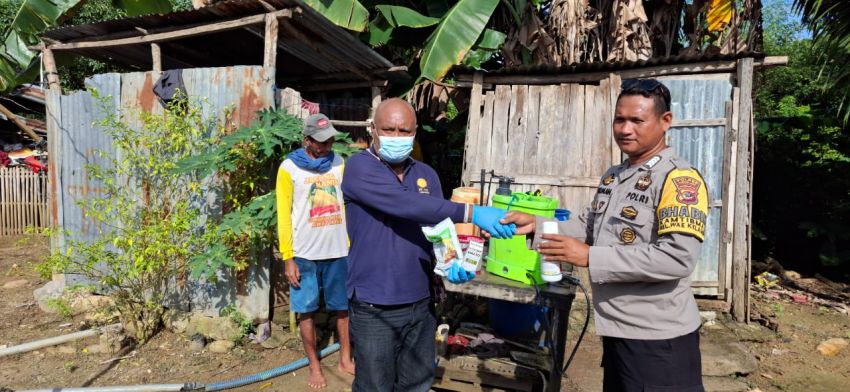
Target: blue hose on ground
271 373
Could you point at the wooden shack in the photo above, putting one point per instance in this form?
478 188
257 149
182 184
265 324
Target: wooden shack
550 129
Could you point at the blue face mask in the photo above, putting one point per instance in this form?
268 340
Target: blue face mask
395 149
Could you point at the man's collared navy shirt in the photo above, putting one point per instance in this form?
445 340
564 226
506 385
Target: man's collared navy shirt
390 259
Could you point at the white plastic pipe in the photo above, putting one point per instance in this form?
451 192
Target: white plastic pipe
127 388
22 348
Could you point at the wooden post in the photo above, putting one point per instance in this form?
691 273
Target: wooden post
270 51
50 68
376 99
156 57
14 118
743 216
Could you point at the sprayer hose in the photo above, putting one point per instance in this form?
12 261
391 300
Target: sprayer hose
271 373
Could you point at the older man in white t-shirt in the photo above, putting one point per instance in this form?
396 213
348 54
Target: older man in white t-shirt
313 239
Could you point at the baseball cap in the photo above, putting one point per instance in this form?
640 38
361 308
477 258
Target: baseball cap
319 127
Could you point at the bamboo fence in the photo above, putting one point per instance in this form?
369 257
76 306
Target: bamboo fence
23 200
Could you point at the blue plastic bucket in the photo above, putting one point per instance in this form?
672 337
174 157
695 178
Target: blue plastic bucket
515 321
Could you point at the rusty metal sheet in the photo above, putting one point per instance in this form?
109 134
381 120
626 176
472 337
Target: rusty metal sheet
232 94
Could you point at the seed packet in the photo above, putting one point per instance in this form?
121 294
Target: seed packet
473 253
446 245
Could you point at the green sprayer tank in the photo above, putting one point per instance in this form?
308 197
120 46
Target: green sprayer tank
511 258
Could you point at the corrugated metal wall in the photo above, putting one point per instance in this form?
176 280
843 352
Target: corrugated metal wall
233 94
697 98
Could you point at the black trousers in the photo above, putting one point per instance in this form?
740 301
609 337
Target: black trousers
633 365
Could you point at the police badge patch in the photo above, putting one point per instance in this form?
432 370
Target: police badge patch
687 189
629 213
627 236
644 182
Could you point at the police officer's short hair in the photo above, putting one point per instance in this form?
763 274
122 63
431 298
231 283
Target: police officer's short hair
648 88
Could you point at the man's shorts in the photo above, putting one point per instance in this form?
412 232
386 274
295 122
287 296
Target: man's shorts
328 275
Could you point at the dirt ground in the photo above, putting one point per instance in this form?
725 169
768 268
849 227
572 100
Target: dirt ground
788 358
163 360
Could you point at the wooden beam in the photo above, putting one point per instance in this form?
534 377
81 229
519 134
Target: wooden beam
174 34
20 123
156 57
270 37
743 216
347 123
50 68
342 86
633 73
709 122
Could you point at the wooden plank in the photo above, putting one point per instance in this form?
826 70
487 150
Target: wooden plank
570 157
741 236
549 123
713 305
516 129
4 188
709 122
346 123
614 87
499 139
156 57
532 134
171 35
725 218
20 123
470 160
556 180
482 147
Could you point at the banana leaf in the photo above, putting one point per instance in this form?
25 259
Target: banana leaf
405 17
488 45
33 18
144 7
349 14
454 36
380 31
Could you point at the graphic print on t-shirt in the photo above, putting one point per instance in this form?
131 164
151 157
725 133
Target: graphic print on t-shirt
323 200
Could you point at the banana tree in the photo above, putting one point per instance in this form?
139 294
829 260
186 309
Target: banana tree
33 17
457 32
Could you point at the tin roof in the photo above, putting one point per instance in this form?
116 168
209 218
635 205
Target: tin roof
314 47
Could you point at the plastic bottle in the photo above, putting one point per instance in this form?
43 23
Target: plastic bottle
551 272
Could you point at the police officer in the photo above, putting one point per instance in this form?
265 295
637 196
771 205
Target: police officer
640 240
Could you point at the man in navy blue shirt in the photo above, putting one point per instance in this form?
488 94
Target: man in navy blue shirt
388 198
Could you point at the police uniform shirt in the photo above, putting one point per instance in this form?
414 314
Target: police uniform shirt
645 227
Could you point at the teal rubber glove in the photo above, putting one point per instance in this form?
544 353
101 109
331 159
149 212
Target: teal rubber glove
487 218
456 274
